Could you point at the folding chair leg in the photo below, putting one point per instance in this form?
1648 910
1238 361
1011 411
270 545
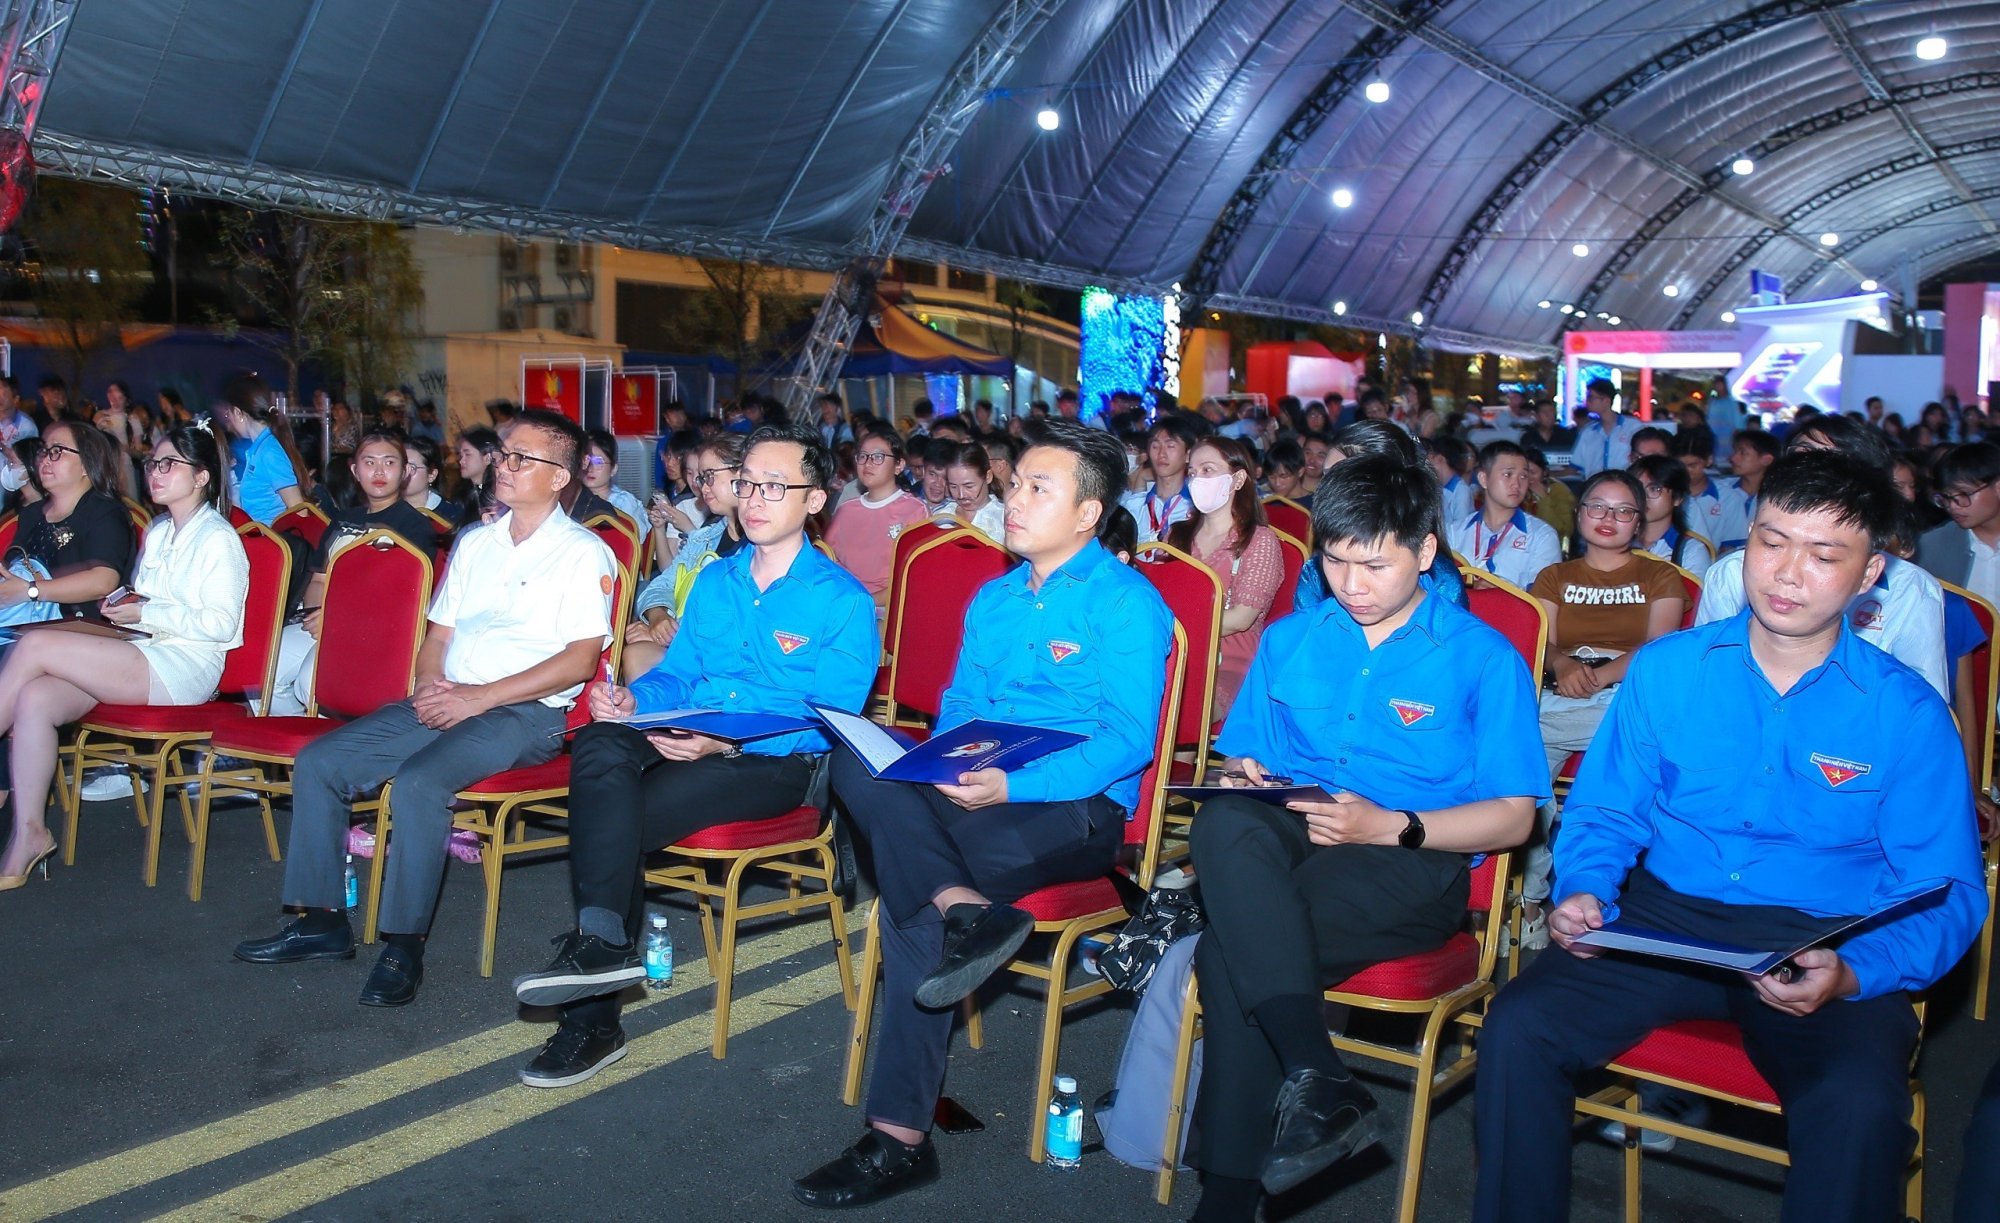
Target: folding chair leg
725 966
975 1023
490 862
199 865
73 807
270 825
1422 1090
1632 1153
1984 982
864 1007
156 804
1177 1100
374 906
836 915
1052 1018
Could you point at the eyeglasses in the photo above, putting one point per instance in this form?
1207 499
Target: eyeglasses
595 460
1958 500
55 452
873 457
1604 509
515 460
164 466
772 491
703 478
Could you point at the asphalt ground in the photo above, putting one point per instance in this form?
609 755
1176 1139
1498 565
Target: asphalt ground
144 1073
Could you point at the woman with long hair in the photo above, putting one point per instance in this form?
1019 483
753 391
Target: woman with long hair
675 509
658 608
477 448
1228 533
1663 529
269 472
423 465
187 597
968 480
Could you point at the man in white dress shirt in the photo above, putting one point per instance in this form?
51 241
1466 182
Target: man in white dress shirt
515 633
1607 440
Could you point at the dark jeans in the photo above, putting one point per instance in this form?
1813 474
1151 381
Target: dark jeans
1979 1174
1842 1072
626 800
924 843
1287 917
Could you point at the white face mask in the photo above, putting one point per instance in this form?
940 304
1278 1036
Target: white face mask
1131 462
1211 493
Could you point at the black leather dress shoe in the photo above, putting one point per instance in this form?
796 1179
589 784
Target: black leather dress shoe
1322 1119
977 941
296 943
872 1169
394 980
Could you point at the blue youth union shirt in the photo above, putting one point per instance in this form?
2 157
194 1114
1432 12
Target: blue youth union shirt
1837 798
810 637
1443 712
1085 653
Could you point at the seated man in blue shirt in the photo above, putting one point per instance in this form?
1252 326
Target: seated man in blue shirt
1069 639
1421 722
767 629
1838 789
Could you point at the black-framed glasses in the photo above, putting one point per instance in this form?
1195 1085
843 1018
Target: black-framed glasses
772 491
56 451
515 460
702 478
164 466
873 457
1958 500
1604 509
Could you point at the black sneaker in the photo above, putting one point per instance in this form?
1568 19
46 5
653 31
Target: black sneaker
1322 1119
977 941
572 1055
585 966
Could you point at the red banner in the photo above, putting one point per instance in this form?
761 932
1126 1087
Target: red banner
635 405
559 388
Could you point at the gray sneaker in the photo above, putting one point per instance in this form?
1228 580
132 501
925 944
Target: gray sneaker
1666 1104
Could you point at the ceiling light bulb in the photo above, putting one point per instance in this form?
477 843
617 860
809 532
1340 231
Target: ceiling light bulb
1742 166
1568 309
1417 317
1729 316
1829 238
1343 198
1615 320
1671 290
1869 286
1932 47
1543 304
1378 91
1048 118
1340 307
1580 249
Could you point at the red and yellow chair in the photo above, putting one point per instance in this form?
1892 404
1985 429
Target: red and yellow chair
1985 666
1289 516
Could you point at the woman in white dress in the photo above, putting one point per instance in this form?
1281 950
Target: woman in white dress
188 589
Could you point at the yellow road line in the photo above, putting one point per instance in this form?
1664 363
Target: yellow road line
383 1155
85 1184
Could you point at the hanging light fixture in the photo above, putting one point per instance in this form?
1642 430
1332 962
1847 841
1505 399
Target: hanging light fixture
1932 47
1048 118
1742 167
1377 92
1343 198
1580 249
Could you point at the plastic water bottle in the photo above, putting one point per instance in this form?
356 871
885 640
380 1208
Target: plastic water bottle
658 951
353 885
1064 1141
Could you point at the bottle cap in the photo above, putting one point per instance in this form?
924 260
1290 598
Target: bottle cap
1065 1084
656 919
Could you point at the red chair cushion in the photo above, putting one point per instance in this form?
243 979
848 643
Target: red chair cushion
1570 766
1069 901
798 824
1706 1052
548 775
1428 974
164 719
271 736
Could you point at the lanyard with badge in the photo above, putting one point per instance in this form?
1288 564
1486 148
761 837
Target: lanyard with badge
1493 547
1155 516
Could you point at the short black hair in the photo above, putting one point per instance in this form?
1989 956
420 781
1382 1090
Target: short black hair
1285 455
1377 496
1696 440
1863 441
1600 386
1492 452
918 447
1536 456
602 439
1376 437
1653 433
1969 463
1176 426
565 435
1455 451
1118 531
1855 492
1758 440
1662 470
53 382
884 434
817 460
1100 457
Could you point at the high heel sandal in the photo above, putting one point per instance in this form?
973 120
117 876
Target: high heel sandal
9 882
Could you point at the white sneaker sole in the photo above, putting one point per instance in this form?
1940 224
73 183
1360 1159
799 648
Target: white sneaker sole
540 990
579 1076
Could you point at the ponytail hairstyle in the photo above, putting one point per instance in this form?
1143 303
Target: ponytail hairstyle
249 394
197 444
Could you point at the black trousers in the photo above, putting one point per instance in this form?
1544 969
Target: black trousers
924 843
1979 1172
626 800
1287 917
1842 1072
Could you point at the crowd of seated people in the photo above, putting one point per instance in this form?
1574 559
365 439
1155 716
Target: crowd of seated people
1819 585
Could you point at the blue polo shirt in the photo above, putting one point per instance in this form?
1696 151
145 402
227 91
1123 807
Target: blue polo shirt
1085 653
810 637
264 469
1443 712
1837 798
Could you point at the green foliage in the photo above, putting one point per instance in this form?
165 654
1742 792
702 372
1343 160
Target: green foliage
88 269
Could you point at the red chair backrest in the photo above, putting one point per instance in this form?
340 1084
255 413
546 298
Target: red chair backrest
1294 552
8 526
899 555
1985 678
1692 585
1193 593
1290 517
941 573
622 595
1143 829
1514 614
372 617
141 518
246 670
618 536
237 517
303 520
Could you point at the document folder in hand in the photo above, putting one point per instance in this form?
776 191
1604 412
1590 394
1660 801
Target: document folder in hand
727 725
1277 796
1621 936
978 744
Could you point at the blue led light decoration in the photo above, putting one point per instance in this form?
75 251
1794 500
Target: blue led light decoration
942 391
1124 341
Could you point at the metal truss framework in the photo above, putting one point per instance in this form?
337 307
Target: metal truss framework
919 162
1590 118
1204 275
31 40
1929 209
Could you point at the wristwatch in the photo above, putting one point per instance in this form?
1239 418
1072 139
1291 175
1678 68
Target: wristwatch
34 593
1413 836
